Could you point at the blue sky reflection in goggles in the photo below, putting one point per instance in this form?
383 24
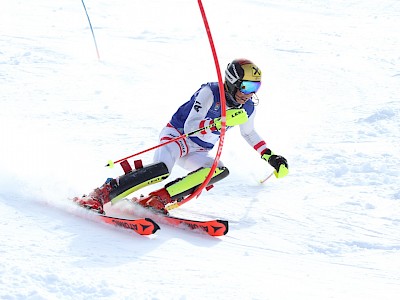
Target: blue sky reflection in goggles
248 87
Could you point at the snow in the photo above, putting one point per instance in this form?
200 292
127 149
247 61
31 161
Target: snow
329 103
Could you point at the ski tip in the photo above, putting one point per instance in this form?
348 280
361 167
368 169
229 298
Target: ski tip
155 225
226 225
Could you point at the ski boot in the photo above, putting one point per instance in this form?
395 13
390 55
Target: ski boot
155 201
96 199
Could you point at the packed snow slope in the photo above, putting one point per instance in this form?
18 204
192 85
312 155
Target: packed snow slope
329 103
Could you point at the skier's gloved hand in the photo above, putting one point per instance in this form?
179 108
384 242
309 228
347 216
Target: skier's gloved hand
278 162
234 116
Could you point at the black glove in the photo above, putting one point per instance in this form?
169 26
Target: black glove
278 162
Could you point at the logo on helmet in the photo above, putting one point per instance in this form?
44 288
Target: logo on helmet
251 72
257 71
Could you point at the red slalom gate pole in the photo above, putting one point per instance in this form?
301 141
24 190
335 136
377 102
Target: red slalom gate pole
223 114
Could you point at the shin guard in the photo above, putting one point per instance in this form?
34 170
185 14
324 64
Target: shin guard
128 183
182 187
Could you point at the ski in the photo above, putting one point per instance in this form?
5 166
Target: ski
146 224
213 227
142 226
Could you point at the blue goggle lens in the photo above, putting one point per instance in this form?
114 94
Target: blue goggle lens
248 87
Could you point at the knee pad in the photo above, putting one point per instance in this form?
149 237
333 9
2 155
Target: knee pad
182 187
137 179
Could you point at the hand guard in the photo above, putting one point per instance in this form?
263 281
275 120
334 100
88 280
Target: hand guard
234 117
278 162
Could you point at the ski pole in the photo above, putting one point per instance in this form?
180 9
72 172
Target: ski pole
268 177
183 136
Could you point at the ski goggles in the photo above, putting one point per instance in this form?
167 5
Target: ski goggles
248 87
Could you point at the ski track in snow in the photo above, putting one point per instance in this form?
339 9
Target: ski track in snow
329 103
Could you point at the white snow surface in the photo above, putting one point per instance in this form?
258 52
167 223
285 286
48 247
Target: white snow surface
329 103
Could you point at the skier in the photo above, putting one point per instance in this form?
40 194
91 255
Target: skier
203 110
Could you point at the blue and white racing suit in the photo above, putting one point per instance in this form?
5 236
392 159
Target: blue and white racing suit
203 107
